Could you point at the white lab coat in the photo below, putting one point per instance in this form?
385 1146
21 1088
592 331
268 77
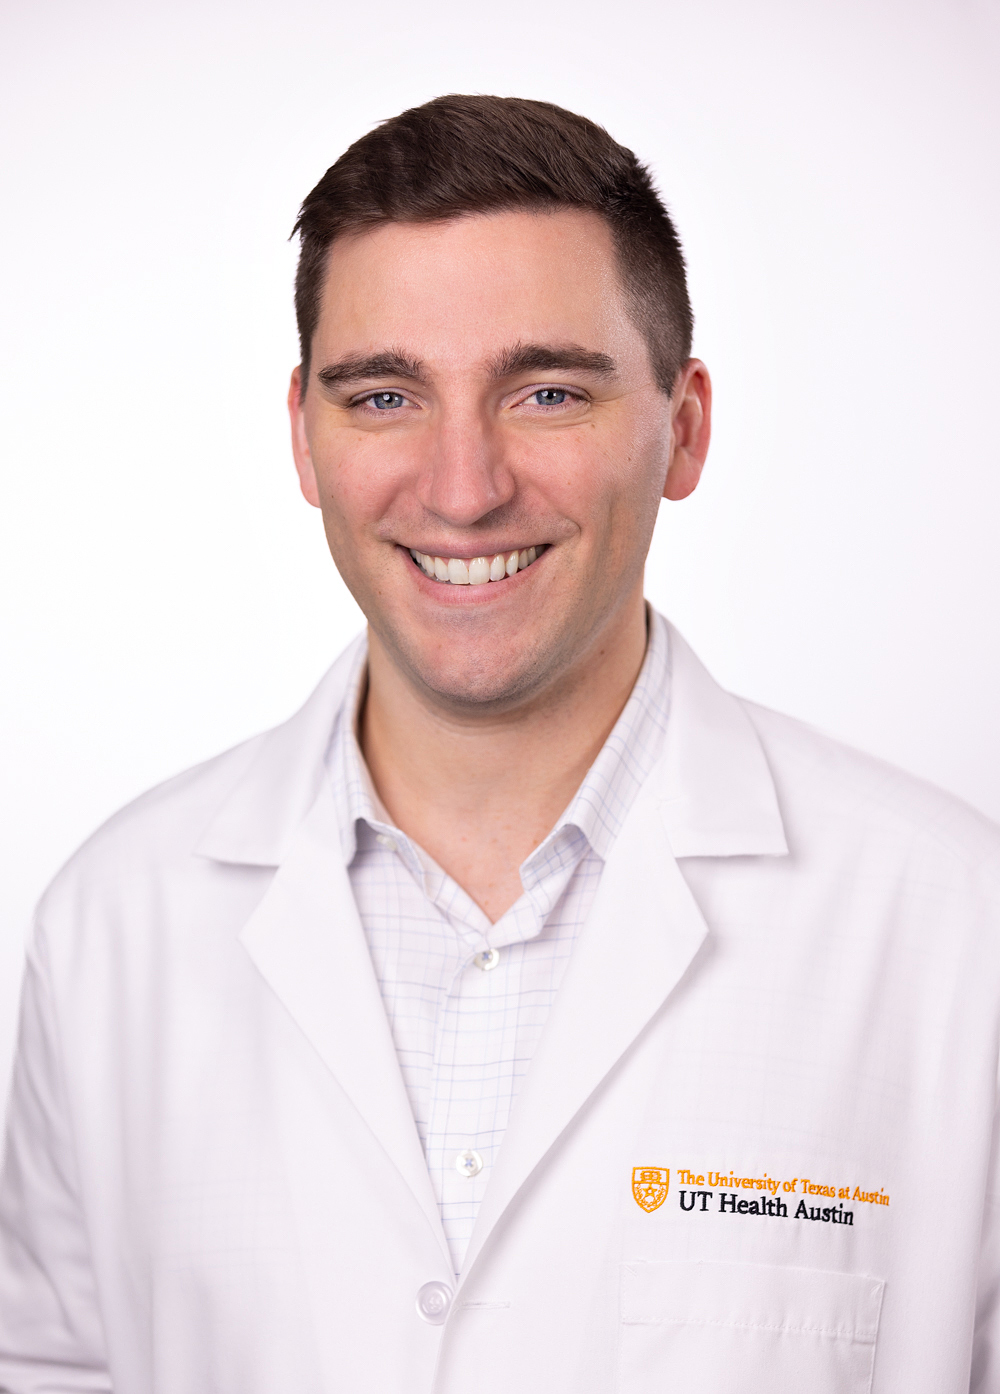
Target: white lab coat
790 978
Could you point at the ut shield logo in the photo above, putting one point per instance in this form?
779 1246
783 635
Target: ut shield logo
650 1186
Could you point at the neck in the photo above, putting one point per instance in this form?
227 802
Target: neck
480 793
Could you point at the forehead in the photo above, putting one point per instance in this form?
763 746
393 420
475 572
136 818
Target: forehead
461 288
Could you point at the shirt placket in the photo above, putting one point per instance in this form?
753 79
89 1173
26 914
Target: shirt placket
477 1064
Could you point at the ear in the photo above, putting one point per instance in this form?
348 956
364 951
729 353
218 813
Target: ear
300 442
691 429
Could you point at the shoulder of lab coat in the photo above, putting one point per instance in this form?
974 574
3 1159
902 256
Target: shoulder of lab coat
811 769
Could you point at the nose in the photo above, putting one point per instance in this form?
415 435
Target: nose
466 474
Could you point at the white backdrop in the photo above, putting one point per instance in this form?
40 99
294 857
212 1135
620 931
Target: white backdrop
833 170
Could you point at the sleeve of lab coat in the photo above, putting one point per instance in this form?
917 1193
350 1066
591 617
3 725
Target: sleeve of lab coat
51 1337
986 1343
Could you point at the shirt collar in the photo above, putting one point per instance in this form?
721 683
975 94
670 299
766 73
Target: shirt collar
717 796
599 806
354 793
597 809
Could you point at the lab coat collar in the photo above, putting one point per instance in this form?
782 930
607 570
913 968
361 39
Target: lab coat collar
257 822
715 793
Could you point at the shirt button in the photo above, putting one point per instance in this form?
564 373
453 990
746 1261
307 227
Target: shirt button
488 959
468 1163
386 841
433 1303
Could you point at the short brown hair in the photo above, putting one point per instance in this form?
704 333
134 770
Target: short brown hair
462 155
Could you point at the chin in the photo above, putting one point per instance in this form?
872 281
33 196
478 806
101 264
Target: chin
488 686
479 675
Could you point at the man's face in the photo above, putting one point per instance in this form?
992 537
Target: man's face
478 390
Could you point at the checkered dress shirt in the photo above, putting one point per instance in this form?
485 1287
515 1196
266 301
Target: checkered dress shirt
465 1035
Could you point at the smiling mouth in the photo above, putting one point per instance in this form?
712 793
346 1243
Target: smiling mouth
456 571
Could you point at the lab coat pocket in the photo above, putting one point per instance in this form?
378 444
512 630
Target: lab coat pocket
746 1328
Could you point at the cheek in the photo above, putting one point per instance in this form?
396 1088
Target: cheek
642 470
358 479
610 484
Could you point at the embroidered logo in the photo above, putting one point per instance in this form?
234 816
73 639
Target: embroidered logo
770 1195
650 1186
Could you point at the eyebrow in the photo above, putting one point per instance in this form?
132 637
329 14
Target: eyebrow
527 358
520 358
361 367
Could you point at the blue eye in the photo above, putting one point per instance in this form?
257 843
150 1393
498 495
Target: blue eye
550 397
387 401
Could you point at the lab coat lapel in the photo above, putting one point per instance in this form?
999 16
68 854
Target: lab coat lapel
642 933
305 936
307 941
711 795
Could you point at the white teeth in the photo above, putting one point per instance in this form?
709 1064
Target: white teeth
479 570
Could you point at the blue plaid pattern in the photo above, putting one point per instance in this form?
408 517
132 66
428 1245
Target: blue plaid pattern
465 1037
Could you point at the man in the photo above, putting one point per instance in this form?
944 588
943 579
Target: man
527 1012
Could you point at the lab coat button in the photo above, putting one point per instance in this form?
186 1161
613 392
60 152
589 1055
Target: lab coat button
433 1302
468 1163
